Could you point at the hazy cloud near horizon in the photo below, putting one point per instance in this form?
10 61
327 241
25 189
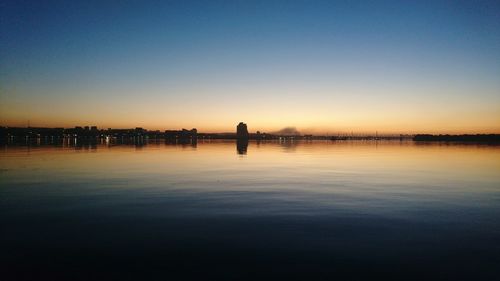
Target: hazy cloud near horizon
287 131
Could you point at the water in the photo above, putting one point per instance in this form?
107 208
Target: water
304 210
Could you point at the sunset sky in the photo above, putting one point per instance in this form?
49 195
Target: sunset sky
319 66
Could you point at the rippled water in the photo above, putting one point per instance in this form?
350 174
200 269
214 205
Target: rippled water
310 210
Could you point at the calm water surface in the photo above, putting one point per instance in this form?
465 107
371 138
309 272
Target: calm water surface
308 210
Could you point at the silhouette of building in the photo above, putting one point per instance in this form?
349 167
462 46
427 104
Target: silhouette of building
242 131
139 131
258 136
182 136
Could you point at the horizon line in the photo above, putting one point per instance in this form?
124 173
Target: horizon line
339 132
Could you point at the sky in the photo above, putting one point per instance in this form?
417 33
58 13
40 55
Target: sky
318 66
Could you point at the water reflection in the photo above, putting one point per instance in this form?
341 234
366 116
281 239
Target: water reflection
289 145
242 146
328 209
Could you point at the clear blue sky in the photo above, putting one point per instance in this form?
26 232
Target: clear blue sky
395 66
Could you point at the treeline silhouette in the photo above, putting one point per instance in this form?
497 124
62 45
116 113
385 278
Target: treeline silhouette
458 138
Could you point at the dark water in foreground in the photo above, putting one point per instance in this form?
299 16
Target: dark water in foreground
310 211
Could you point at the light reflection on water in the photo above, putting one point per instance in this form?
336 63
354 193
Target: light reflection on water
321 201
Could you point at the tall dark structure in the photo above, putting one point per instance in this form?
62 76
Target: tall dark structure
242 131
242 138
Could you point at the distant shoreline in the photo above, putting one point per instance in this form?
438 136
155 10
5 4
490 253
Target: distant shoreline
193 135
458 138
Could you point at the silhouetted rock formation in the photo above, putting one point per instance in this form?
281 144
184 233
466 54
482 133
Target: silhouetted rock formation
242 131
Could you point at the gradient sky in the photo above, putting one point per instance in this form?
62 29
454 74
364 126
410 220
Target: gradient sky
321 66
